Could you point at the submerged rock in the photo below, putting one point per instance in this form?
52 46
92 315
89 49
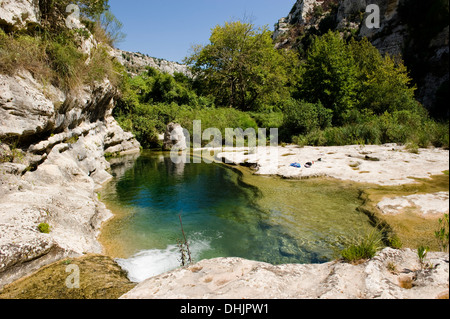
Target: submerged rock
426 204
288 248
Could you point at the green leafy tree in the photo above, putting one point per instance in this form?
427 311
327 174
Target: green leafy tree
330 75
303 118
384 83
241 67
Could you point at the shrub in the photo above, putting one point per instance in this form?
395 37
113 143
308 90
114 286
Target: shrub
67 62
362 248
442 234
404 127
422 253
395 242
269 120
330 75
412 147
303 118
23 52
102 66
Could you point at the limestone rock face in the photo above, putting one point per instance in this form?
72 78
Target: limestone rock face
52 161
347 16
394 36
24 109
300 15
138 62
174 138
17 14
386 276
300 11
55 183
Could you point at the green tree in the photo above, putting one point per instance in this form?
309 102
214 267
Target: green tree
330 75
384 83
303 118
241 67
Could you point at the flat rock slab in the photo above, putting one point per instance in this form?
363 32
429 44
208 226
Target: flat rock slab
392 274
426 204
388 164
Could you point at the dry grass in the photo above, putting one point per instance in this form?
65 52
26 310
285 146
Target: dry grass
57 59
23 53
406 282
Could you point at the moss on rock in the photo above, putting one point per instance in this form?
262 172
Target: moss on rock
99 278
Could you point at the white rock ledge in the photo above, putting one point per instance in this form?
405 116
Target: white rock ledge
388 164
428 204
233 278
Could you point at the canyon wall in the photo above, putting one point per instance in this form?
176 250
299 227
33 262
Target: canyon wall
52 161
417 31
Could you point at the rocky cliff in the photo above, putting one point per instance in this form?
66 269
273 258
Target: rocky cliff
52 147
137 63
416 30
19 14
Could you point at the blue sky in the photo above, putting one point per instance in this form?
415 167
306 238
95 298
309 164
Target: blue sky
168 28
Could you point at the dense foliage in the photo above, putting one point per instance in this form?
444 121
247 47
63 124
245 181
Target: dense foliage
370 96
241 67
332 89
342 92
152 100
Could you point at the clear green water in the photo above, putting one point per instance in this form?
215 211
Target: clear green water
225 214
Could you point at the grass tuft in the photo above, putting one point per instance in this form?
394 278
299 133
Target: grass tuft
362 248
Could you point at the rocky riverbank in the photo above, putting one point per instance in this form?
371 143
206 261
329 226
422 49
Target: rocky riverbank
381 165
406 190
385 165
392 274
53 142
53 181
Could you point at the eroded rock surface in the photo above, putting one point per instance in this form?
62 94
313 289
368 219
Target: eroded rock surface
52 160
388 164
392 274
428 205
